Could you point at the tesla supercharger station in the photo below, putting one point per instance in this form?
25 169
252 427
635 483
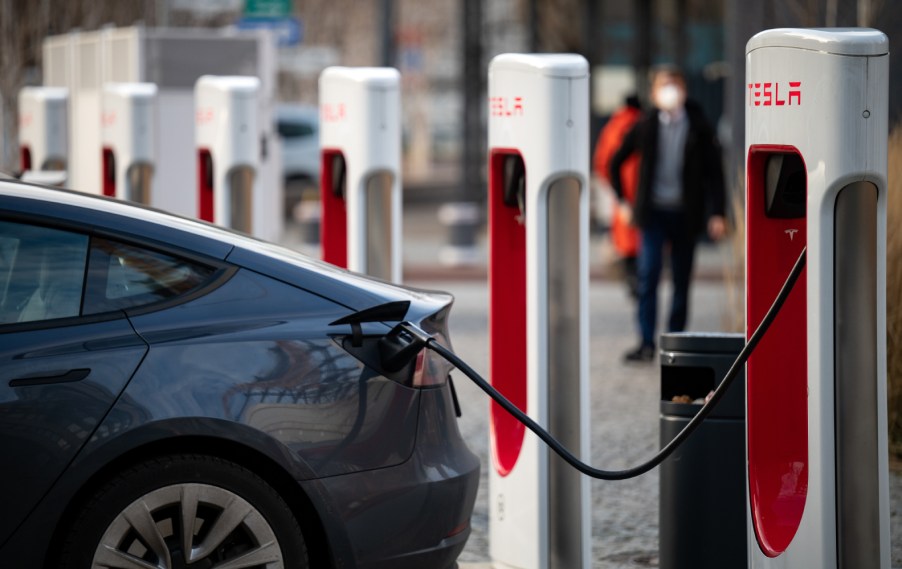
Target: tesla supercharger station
228 150
128 155
360 181
43 128
538 283
816 132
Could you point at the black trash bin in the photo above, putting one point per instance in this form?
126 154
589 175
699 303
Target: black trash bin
702 515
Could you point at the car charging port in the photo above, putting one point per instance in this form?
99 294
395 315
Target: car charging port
399 348
399 355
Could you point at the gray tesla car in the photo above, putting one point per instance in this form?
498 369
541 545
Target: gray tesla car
174 395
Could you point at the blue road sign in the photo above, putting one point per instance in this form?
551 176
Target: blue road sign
288 31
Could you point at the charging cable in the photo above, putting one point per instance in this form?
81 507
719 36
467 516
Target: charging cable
420 337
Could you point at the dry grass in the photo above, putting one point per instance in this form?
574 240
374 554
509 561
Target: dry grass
893 289
734 271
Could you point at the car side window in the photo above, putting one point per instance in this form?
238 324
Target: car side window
42 272
124 276
289 129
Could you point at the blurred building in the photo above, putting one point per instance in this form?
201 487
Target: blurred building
424 38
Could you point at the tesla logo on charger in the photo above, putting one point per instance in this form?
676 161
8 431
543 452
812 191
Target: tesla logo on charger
791 233
506 106
334 113
775 94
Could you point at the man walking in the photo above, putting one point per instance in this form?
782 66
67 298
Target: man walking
680 193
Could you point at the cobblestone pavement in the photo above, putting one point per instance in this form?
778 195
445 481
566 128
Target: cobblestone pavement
624 422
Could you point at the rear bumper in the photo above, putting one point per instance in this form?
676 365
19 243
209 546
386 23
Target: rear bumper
415 515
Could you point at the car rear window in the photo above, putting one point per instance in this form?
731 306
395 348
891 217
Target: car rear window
124 276
293 129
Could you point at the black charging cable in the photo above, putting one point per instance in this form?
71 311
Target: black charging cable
426 339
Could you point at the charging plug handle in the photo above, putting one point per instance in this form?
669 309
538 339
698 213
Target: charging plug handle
400 346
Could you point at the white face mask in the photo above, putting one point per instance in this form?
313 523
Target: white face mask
669 97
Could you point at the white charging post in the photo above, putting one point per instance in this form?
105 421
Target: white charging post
43 128
816 141
539 506
360 182
228 151
128 122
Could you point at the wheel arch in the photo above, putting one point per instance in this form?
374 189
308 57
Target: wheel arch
319 546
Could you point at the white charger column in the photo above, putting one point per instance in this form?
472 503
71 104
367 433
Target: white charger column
360 142
816 134
228 151
539 506
129 152
43 128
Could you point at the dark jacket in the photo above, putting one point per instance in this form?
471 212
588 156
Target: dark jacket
703 184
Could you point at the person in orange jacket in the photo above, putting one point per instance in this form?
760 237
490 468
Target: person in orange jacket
624 235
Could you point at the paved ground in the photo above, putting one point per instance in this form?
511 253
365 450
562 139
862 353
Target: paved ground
624 422
624 398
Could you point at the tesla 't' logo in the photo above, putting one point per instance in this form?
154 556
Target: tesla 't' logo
791 233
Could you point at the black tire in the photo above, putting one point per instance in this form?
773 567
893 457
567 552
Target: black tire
213 492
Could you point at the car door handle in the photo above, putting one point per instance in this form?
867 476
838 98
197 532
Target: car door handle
67 377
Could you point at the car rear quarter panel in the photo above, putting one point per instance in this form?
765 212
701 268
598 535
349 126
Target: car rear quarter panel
416 514
258 352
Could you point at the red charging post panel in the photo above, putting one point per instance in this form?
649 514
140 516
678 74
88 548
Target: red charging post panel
507 314
109 172
25 158
334 223
777 372
204 185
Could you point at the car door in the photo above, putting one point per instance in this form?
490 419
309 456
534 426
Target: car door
61 369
